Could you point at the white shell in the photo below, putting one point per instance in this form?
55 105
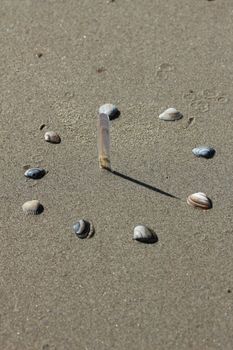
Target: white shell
142 233
33 207
53 137
170 114
109 109
199 200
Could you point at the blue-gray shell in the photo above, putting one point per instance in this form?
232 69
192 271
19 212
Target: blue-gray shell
83 229
35 173
205 152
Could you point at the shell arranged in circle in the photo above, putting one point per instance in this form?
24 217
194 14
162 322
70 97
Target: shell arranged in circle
170 114
32 207
204 151
52 137
83 229
199 200
111 110
143 234
35 173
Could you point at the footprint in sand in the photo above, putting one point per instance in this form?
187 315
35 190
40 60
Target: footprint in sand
163 70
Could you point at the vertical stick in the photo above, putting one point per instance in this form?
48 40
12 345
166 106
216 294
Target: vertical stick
104 141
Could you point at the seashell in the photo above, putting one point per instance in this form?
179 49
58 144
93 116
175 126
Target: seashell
35 173
103 139
53 137
33 207
203 151
170 114
111 110
83 229
199 200
143 234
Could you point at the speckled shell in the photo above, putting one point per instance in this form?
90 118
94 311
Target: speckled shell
52 137
35 173
199 200
143 234
32 207
171 114
203 151
83 229
109 109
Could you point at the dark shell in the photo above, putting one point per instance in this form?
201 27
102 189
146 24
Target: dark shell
35 173
204 152
83 229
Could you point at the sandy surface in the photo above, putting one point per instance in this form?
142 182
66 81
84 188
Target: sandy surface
109 292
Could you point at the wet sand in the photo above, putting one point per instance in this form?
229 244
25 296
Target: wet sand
59 61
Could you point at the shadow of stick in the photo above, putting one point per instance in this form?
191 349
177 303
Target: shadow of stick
143 184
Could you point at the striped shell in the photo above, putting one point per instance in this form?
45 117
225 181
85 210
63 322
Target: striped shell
83 229
170 114
199 200
143 234
33 207
52 137
203 151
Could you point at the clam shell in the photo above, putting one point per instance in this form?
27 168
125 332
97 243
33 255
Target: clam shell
33 207
35 173
83 229
170 114
199 200
53 137
204 151
143 234
111 110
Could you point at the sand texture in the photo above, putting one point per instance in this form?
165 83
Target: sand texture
60 60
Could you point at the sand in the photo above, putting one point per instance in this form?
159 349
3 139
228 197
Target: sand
59 61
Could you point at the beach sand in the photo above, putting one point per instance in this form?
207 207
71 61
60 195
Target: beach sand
59 61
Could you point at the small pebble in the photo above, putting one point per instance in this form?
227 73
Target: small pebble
109 109
100 70
32 207
42 126
83 229
35 173
190 121
143 234
52 137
